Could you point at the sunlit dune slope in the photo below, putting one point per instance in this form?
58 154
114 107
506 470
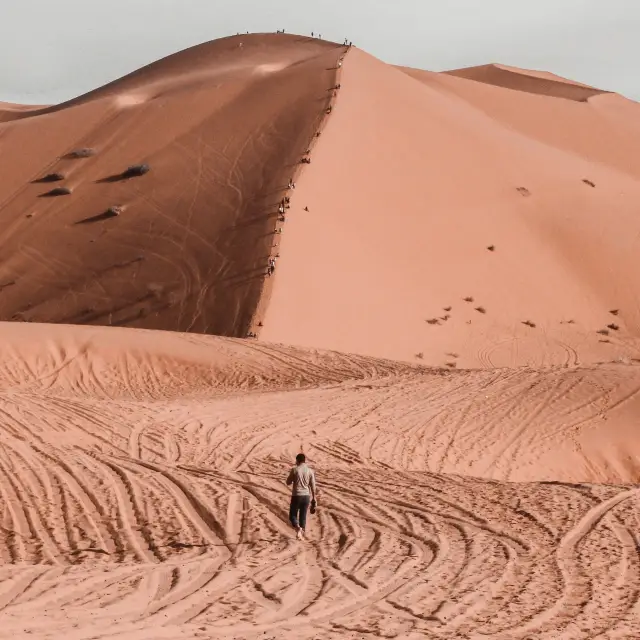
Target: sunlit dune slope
461 223
222 127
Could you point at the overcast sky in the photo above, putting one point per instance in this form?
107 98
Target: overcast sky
53 50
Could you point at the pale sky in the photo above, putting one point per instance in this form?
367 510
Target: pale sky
53 50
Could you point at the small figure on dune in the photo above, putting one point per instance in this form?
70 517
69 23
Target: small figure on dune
447 308
433 321
312 34
603 332
613 327
306 208
292 184
614 312
491 247
287 199
481 310
281 209
589 182
420 355
303 494
329 109
468 299
529 324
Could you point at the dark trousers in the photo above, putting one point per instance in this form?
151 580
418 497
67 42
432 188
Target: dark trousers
298 511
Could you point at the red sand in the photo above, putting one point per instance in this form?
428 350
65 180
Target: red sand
142 472
142 488
413 180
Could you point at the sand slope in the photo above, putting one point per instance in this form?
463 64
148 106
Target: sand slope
222 127
141 478
425 174
414 176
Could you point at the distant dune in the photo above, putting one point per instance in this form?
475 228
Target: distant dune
414 176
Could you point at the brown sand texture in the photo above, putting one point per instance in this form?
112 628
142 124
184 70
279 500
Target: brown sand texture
141 479
449 333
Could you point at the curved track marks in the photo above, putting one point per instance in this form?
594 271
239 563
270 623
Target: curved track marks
129 509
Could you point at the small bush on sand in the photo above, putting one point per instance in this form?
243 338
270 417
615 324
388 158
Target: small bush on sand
58 191
52 177
136 170
85 152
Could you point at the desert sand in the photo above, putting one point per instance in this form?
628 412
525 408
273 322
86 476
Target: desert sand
450 334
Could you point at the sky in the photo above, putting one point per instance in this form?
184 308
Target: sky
51 51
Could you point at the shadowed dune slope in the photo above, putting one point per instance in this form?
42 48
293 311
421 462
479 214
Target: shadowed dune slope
142 493
222 127
464 223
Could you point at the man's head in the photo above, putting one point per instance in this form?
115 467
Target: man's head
300 458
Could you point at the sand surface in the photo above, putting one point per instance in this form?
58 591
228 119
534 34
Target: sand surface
384 250
141 478
450 335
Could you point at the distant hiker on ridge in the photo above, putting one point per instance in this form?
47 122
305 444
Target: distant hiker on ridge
303 494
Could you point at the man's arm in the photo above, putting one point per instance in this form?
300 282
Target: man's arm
314 494
291 476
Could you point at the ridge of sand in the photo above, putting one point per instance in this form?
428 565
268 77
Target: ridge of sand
529 81
131 511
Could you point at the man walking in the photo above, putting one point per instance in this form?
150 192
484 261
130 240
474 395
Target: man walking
303 493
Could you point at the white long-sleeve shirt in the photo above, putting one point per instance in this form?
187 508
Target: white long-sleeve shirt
303 480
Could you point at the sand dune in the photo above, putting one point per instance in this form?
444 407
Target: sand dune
424 190
133 509
457 269
404 267
222 127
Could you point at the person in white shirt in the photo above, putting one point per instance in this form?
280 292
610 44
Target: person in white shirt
303 494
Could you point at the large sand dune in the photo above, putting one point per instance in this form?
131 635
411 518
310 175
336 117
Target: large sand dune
221 126
414 176
141 476
482 220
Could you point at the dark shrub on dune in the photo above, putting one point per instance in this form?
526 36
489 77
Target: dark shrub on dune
136 170
51 177
80 153
58 191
